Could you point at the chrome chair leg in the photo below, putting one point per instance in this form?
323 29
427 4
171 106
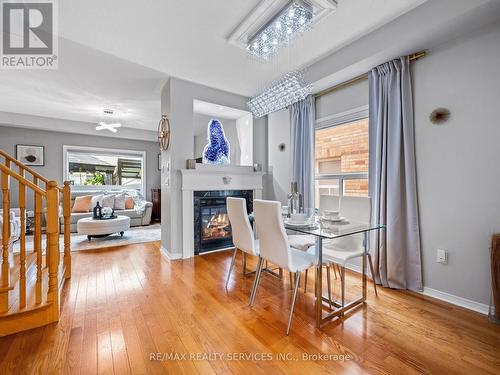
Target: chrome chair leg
329 285
305 282
372 273
295 290
256 281
342 278
231 266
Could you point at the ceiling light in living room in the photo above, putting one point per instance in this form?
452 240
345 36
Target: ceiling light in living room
110 126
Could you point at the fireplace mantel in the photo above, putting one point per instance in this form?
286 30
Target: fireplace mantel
212 178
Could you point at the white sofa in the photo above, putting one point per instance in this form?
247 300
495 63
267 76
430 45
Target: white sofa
15 224
137 218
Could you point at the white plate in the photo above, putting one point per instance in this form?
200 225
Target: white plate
300 224
336 220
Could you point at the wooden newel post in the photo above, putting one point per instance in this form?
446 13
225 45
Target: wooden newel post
66 196
53 247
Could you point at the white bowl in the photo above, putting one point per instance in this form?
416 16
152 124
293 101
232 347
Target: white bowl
298 218
331 214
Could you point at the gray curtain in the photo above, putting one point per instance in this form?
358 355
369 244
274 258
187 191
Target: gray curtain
302 117
392 177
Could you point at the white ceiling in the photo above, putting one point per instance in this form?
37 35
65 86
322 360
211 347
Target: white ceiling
118 54
216 110
188 39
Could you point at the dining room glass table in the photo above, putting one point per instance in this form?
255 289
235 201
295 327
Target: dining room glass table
333 232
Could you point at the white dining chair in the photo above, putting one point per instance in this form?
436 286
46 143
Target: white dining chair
343 249
275 248
304 242
243 236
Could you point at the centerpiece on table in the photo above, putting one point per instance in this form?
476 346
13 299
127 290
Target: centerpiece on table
103 213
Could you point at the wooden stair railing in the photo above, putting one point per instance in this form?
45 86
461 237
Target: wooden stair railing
30 290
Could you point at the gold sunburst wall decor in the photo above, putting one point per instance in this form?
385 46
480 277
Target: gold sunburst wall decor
164 133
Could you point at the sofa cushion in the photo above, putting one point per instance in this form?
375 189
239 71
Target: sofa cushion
129 202
75 216
96 198
82 204
120 201
108 200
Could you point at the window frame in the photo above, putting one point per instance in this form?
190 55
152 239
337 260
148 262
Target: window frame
338 119
105 151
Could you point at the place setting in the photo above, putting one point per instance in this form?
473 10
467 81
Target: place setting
306 219
332 219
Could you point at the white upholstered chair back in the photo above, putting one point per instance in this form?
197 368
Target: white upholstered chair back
243 237
354 209
273 239
328 203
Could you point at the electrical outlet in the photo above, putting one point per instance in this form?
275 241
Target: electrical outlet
442 256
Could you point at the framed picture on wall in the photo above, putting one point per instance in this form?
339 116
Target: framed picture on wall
31 155
159 162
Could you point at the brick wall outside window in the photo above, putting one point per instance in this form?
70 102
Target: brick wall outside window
343 149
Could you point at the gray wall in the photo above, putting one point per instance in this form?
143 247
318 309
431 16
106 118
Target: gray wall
342 100
458 170
54 141
280 162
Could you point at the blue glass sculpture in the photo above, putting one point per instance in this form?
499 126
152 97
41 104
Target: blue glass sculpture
217 149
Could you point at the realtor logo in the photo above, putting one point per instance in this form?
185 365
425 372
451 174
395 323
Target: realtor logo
29 34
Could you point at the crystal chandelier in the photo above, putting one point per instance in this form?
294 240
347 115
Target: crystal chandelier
295 18
286 90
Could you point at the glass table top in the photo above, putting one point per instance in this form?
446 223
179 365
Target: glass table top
337 230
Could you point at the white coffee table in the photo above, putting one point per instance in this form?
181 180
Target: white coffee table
103 228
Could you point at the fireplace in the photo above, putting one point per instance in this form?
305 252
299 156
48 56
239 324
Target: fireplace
212 230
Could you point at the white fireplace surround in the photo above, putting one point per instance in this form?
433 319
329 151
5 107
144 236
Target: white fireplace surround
212 177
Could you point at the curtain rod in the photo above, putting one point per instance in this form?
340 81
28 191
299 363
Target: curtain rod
362 77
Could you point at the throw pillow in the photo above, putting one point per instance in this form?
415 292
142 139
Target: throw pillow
120 201
129 203
82 204
95 199
108 200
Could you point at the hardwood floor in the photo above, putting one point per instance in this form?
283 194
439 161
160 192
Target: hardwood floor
124 304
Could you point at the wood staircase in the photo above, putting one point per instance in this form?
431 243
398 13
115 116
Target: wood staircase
31 281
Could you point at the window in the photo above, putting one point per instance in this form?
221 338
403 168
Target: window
100 169
341 159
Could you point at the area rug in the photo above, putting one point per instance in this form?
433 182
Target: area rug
80 242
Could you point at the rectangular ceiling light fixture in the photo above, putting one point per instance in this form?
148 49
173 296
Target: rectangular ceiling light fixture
288 89
292 20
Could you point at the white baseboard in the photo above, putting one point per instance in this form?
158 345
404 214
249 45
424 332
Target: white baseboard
168 255
456 300
443 296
